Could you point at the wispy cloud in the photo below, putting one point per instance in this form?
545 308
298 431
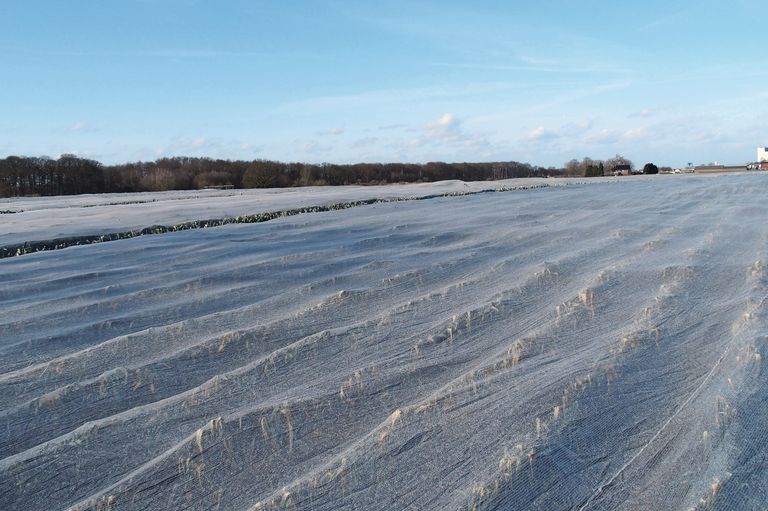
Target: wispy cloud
395 96
539 134
183 146
334 132
445 124
311 148
572 131
83 127
637 134
671 18
645 113
444 129
216 147
445 133
364 142
552 67
395 126
602 137
553 102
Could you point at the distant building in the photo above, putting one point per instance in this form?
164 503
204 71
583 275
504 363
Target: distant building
762 158
621 170
716 169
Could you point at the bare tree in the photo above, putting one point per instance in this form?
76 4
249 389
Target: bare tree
617 160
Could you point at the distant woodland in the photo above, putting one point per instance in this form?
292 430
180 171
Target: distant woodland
69 174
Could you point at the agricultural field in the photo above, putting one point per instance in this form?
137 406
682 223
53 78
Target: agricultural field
67 218
553 345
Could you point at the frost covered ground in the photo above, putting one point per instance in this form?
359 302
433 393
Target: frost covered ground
595 346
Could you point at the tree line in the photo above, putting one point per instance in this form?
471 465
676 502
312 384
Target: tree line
588 167
593 168
69 174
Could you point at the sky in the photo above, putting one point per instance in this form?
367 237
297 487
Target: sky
344 81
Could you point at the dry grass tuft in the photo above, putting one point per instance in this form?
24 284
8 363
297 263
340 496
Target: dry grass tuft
507 462
724 413
514 355
510 461
715 487
351 387
199 470
389 424
187 465
286 413
104 503
587 297
49 400
213 426
224 341
264 423
285 500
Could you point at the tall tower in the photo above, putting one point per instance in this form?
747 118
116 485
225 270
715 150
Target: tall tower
762 154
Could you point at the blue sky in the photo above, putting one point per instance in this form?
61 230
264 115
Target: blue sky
346 81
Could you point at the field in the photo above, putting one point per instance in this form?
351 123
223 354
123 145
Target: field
592 346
